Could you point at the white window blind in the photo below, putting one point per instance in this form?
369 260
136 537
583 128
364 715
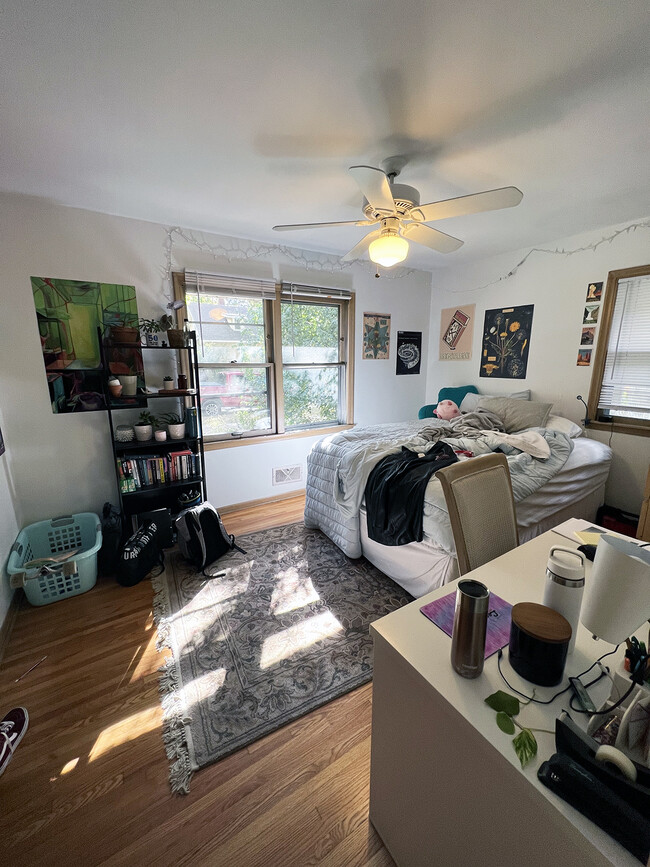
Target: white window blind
299 290
625 387
221 284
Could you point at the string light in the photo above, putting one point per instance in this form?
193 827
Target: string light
559 251
236 249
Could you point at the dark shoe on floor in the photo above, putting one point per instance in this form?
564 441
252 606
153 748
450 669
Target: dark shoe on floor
12 728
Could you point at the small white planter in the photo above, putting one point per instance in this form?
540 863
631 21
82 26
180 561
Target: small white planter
129 384
143 432
168 384
160 436
176 431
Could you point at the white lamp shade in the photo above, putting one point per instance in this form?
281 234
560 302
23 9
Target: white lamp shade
617 593
388 249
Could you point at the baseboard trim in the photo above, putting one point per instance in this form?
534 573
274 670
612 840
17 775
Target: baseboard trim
264 501
8 623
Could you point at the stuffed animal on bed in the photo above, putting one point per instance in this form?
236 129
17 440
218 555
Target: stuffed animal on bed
447 410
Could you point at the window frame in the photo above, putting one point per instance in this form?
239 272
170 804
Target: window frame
619 424
273 319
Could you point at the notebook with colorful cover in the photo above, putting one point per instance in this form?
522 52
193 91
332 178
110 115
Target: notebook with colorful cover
441 612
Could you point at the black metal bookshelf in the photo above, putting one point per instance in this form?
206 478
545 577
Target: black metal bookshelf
163 492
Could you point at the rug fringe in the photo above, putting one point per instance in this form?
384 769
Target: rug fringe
174 716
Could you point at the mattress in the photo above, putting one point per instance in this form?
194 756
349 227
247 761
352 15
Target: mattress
576 491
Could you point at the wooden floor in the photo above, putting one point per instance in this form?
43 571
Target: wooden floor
89 783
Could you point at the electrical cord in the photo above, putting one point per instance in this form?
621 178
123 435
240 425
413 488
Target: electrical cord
640 666
566 688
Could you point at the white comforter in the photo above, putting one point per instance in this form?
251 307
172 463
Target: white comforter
338 468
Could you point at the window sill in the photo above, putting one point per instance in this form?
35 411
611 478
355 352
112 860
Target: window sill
289 435
639 430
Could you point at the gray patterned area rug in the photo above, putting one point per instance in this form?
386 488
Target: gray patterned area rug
278 631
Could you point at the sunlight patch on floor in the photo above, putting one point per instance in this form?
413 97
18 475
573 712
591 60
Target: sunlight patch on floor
127 729
203 687
69 766
149 662
284 644
292 590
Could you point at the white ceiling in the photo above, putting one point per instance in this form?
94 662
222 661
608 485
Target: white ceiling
233 116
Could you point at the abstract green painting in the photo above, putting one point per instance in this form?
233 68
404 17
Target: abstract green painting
68 313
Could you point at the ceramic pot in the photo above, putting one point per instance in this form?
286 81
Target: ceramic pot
160 436
129 384
143 432
115 389
176 431
125 334
124 433
176 338
168 384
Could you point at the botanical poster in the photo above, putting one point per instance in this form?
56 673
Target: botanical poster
68 313
409 352
376 335
506 341
456 332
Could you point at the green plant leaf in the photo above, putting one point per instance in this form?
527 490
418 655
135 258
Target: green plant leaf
505 723
525 746
502 702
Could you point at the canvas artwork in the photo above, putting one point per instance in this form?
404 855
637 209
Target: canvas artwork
456 332
506 342
409 352
376 335
584 358
594 292
587 337
590 315
68 313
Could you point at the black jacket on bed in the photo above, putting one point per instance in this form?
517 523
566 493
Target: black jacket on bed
395 493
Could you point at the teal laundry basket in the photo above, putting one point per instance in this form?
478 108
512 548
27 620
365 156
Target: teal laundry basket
38 561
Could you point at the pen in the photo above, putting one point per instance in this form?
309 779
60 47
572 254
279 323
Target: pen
30 669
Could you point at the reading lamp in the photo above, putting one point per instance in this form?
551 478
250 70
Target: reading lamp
586 418
617 595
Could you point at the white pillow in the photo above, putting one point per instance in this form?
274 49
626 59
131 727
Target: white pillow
564 425
470 401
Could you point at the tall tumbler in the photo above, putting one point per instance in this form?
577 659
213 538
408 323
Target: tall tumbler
470 624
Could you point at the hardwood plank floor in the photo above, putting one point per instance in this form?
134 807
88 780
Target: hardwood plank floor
89 782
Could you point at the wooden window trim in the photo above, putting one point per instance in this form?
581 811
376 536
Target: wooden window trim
633 426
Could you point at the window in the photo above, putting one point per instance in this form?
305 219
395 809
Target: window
272 358
619 398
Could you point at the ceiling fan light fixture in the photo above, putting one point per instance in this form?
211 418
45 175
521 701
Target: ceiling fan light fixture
389 249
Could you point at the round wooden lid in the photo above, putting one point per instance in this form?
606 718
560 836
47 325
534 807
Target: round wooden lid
541 622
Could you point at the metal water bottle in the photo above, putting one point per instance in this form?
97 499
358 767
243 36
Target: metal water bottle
565 583
470 625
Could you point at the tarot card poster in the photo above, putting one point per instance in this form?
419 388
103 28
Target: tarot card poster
506 341
376 335
456 332
409 352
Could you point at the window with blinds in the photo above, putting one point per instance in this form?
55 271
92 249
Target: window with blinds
272 357
621 386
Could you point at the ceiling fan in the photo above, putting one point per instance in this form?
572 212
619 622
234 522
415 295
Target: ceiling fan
401 217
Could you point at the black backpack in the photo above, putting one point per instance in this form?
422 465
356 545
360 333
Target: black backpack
202 537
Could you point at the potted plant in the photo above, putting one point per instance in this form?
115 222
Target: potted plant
175 336
160 433
151 329
124 328
144 426
175 425
168 383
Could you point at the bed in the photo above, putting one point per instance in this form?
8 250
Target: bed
570 483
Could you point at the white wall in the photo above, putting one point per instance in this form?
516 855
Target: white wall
557 286
63 463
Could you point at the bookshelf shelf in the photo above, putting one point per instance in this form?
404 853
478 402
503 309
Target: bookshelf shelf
175 465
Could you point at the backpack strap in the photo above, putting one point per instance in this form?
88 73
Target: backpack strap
199 534
235 545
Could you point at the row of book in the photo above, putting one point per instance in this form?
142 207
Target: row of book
146 471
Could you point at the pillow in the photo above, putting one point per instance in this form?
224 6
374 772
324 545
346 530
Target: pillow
456 394
470 401
564 425
517 414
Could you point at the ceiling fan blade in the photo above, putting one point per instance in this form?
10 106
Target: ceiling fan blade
375 187
292 226
361 247
490 200
431 237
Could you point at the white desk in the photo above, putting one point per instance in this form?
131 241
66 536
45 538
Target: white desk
446 787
